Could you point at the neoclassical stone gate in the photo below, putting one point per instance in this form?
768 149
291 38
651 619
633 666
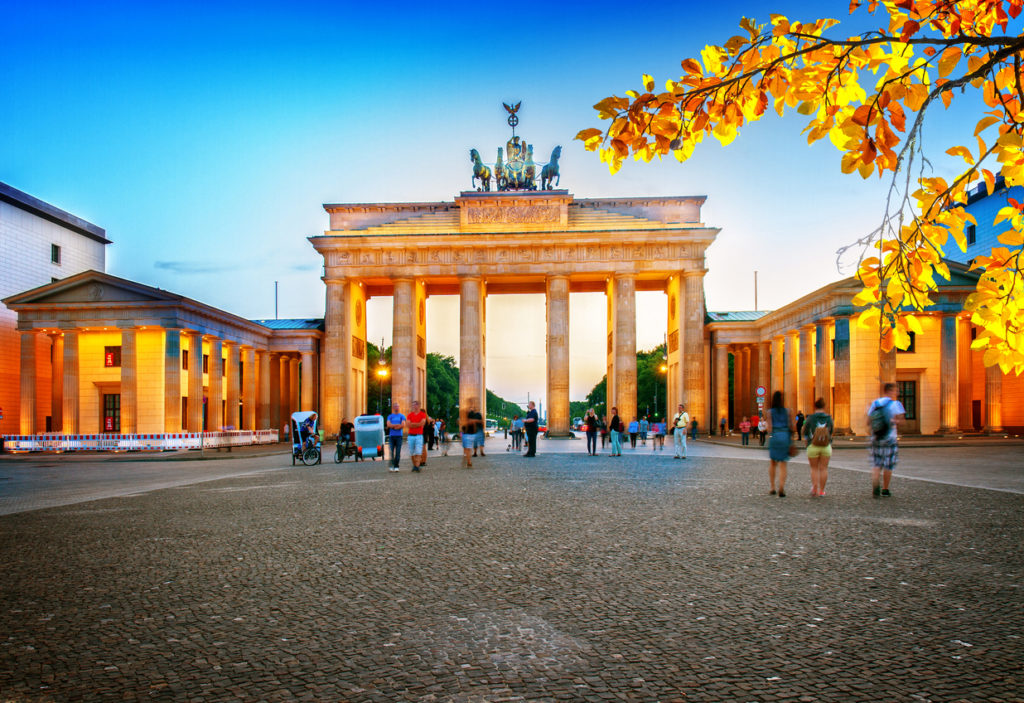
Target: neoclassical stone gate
522 242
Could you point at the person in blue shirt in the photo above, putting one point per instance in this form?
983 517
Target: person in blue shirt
395 425
645 427
634 430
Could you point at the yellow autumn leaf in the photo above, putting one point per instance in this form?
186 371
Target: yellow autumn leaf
648 83
1011 238
869 318
962 152
949 59
913 324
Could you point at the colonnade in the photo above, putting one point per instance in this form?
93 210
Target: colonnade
165 378
344 391
820 360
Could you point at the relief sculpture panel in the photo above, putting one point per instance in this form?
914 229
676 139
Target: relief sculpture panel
514 214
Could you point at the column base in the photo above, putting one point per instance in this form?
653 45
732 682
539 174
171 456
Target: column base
842 432
993 431
555 434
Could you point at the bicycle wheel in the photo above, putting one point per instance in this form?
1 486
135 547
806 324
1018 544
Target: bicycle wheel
339 454
310 456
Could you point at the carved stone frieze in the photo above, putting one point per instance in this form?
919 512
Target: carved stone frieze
535 213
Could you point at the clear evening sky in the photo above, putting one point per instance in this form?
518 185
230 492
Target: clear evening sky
205 138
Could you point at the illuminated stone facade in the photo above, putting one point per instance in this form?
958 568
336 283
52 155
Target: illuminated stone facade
486 244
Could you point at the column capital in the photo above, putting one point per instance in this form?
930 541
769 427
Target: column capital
688 273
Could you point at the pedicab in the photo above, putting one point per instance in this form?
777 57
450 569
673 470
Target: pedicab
369 436
305 438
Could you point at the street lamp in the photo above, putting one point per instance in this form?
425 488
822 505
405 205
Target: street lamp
382 373
657 384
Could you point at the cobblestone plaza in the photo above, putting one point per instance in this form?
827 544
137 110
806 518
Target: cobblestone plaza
561 578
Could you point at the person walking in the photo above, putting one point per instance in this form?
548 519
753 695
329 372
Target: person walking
780 426
428 437
416 421
590 426
442 434
532 424
468 427
602 426
744 431
884 417
645 427
762 428
634 431
723 423
395 425
799 423
658 443
678 428
818 428
615 432
693 429
518 430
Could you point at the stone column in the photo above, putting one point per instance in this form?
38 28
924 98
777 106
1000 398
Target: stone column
249 389
215 383
624 342
558 356
791 371
71 390
194 421
737 385
306 399
172 380
676 325
403 345
778 372
841 412
263 383
993 400
57 384
29 383
129 383
293 384
948 408
965 374
274 390
805 391
822 370
471 345
285 390
335 358
764 368
695 387
721 381
232 361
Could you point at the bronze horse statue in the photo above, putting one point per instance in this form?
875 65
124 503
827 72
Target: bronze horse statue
550 171
480 171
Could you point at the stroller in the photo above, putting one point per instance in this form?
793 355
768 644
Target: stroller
369 436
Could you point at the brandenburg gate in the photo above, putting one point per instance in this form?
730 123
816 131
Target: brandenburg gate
489 243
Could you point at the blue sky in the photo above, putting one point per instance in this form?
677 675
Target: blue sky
205 138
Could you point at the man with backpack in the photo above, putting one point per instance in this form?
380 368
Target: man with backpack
884 416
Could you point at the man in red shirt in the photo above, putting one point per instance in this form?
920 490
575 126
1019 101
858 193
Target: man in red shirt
416 420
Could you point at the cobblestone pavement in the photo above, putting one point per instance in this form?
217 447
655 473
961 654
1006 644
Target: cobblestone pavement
560 578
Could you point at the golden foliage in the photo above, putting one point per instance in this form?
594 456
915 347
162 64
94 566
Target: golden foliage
858 92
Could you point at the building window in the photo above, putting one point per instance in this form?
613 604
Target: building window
972 236
111 412
184 359
206 363
112 357
55 253
907 395
910 349
833 351
184 412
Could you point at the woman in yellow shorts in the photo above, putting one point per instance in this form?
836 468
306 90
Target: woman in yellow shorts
818 432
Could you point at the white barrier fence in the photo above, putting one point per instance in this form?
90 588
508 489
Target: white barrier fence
137 442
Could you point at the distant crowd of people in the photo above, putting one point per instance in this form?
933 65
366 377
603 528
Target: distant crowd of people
779 427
